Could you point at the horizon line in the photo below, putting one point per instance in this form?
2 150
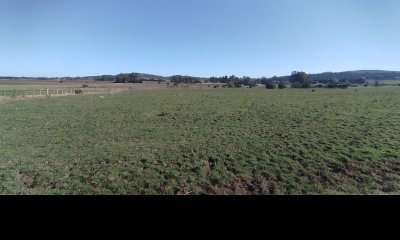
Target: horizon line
166 76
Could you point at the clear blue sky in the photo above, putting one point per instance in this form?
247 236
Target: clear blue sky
197 37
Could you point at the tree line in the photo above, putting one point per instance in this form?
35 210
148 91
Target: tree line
236 82
295 80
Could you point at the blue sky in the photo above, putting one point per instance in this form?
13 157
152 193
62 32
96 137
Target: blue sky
197 37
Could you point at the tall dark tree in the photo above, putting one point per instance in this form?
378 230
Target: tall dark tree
270 84
214 79
133 78
263 80
281 85
246 81
121 78
233 81
224 79
300 80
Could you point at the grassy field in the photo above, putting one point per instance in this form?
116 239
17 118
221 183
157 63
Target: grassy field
52 84
386 82
16 89
204 141
37 84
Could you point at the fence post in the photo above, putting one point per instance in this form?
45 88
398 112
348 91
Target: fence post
47 92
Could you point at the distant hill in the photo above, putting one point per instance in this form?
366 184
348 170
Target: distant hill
366 74
350 75
142 76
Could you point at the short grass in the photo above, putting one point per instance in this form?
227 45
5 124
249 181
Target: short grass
216 141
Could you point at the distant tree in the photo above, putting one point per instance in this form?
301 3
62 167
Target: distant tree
377 84
263 80
177 79
332 83
296 85
270 84
281 85
231 84
233 81
224 79
252 83
362 80
213 79
121 78
337 84
276 79
133 78
300 80
246 81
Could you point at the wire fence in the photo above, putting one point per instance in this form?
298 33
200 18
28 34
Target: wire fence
47 92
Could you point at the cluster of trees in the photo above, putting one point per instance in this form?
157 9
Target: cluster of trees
327 80
128 78
109 78
342 84
281 85
178 79
300 80
337 84
354 77
351 77
297 80
236 82
369 75
269 84
362 80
